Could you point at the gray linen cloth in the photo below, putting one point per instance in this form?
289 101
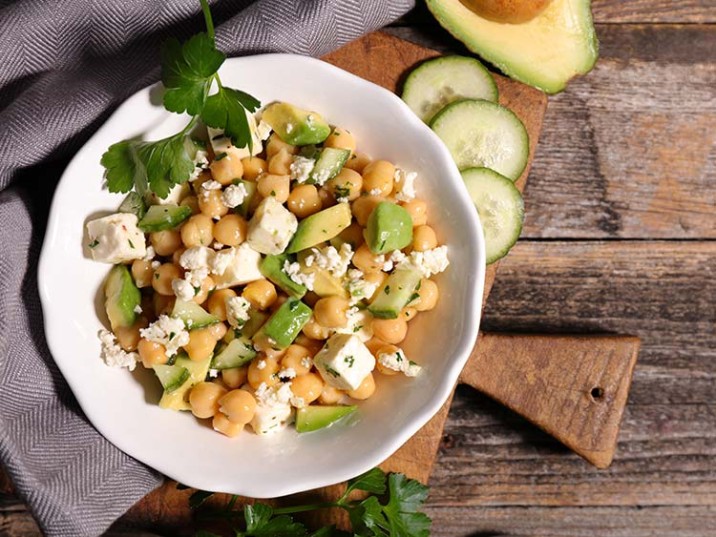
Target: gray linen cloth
64 65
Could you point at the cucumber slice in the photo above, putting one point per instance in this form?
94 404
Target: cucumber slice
133 204
441 81
312 418
238 352
399 289
287 322
250 187
500 207
178 399
256 321
483 134
162 217
329 164
193 315
171 376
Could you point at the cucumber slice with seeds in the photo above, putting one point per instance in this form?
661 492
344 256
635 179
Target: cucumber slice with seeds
238 352
163 217
171 376
500 207
193 315
329 164
439 82
483 134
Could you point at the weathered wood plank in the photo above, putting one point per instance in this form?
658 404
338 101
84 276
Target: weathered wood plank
628 151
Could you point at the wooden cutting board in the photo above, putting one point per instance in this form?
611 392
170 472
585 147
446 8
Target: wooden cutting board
574 388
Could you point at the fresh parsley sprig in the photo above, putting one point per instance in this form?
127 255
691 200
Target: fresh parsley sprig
399 516
189 72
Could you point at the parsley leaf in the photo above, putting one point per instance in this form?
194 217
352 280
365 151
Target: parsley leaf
199 497
259 523
226 109
372 481
187 72
120 166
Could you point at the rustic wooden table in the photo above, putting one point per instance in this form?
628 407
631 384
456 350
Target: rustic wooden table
620 237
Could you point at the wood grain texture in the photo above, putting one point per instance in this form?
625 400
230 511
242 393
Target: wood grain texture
574 388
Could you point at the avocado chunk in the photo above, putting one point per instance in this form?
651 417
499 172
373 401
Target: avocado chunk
312 418
272 268
294 125
546 52
389 228
320 227
399 290
286 323
121 297
178 398
250 187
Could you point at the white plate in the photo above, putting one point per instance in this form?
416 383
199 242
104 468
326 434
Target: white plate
122 406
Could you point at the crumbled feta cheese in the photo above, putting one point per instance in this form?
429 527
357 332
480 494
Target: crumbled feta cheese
263 130
398 362
404 185
211 185
217 245
113 355
272 227
359 288
298 402
183 290
116 238
151 254
156 265
293 271
138 309
306 362
287 373
428 262
213 373
237 311
236 266
395 258
344 361
201 161
330 259
301 168
375 192
261 364
273 408
234 195
342 199
168 332
289 128
359 324
196 277
196 257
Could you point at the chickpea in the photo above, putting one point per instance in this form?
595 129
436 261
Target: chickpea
151 353
197 231
363 206
239 406
346 185
280 163
230 230
211 204
217 331
424 238
365 390
378 175
196 184
310 298
278 186
314 330
217 302
128 336
308 387
192 202
163 304
224 169
353 235
388 349
163 276
166 242
331 311
276 354
222 424
390 330
341 139
378 279
204 399
418 211
260 293
374 344
201 344
330 395
253 167
176 256
235 377
275 144
263 370
326 197
358 162
142 273
297 358
304 201
262 342
280 299
311 345
429 295
409 313
366 260
206 287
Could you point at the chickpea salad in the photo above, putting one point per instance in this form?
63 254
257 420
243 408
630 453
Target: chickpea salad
274 282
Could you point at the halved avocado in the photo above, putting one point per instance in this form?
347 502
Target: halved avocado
545 52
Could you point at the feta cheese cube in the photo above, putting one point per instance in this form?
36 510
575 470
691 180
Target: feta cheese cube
176 194
236 266
272 227
404 185
116 238
344 361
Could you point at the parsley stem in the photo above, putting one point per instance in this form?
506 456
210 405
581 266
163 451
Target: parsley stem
207 18
304 508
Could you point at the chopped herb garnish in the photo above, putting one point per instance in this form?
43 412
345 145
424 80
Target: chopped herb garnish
93 244
172 335
197 290
131 244
220 156
414 296
387 290
349 360
332 372
357 328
